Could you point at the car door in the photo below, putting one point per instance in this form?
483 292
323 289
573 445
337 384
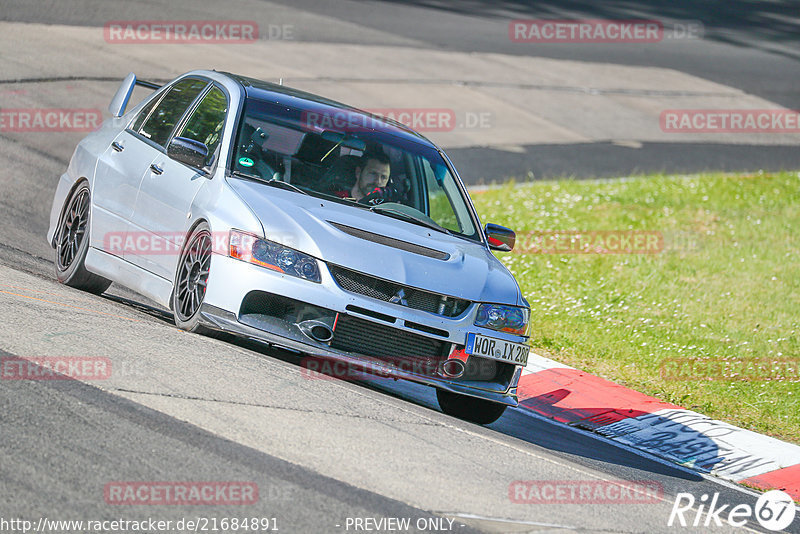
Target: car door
119 173
168 189
126 162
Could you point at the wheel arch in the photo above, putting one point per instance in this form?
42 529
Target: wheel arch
197 222
67 197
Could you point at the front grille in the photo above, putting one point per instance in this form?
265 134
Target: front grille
386 291
410 352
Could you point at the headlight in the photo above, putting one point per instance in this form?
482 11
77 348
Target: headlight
249 248
503 318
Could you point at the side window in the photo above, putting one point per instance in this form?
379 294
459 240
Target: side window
137 124
206 122
171 108
441 208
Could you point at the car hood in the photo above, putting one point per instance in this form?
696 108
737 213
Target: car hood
309 224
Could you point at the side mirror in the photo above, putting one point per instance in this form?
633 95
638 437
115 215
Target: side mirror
500 238
192 153
120 100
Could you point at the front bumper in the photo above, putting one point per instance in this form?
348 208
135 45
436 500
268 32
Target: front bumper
223 320
231 280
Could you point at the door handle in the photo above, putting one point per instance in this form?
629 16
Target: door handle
118 147
156 169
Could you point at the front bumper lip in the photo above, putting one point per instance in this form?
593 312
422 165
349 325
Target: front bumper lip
219 319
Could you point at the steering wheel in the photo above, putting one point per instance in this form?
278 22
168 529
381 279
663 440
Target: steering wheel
379 195
376 197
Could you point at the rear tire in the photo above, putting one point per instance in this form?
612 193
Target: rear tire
471 409
72 244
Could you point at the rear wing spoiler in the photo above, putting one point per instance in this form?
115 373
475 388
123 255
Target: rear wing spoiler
120 100
149 85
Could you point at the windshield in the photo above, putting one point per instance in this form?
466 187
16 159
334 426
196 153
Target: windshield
360 166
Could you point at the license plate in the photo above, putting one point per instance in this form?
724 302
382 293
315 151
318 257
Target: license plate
497 349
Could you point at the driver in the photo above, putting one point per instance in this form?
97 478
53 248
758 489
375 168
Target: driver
371 176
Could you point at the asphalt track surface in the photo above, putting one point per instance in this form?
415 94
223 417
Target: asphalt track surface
746 45
182 407
749 45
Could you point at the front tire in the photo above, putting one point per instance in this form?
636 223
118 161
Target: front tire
72 244
471 409
191 280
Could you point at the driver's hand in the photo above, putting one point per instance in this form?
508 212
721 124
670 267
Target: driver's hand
380 195
377 196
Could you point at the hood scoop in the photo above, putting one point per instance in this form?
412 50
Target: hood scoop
392 242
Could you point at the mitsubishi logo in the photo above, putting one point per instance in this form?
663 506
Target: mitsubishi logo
399 298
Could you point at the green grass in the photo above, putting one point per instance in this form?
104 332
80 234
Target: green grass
726 287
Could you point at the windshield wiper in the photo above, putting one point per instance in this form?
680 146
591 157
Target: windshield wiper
246 175
272 181
285 185
403 216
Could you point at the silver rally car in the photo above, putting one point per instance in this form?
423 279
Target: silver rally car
277 215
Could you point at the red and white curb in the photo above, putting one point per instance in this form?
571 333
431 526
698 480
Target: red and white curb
665 430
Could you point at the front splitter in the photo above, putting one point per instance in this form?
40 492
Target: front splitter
223 320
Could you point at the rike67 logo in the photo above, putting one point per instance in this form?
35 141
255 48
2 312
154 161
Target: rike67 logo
774 510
